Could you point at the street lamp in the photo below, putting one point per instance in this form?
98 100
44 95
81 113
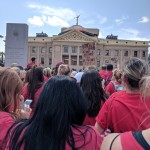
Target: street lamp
1 36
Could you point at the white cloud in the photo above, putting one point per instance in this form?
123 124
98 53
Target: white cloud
64 13
56 21
52 16
101 35
132 32
121 20
102 20
144 19
36 20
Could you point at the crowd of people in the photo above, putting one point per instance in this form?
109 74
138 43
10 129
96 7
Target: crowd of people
62 109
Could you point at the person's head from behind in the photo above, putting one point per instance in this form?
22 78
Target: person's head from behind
109 67
35 80
134 70
91 67
10 90
62 101
33 59
103 67
56 67
36 75
17 70
64 70
14 65
117 75
47 72
91 85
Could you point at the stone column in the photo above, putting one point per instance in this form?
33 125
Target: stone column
69 50
78 53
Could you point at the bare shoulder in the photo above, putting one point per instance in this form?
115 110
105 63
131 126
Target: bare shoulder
108 140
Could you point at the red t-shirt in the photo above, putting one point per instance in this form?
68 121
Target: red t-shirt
30 64
91 120
124 112
5 122
85 138
46 78
102 73
128 142
36 96
92 140
110 88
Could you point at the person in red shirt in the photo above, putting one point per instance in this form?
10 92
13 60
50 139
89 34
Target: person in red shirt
31 63
57 121
103 71
125 110
116 83
91 85
107 76
10 93
34 86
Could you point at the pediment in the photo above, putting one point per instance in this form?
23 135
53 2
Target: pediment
74 35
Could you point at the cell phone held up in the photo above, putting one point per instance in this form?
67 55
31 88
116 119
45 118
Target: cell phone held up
27 103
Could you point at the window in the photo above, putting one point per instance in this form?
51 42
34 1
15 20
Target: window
65 49
65 59
98 52
50 61
33 49
116 52
50 50
135 53
42 60
74 49
43 50
126 53
81 50
143 54
107 53
73 60
80 61
98 63
106 61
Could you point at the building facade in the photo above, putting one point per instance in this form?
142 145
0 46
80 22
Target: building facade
68 46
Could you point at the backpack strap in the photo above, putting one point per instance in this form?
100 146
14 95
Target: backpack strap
140 139
113 141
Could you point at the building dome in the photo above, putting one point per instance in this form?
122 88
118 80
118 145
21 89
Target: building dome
79 28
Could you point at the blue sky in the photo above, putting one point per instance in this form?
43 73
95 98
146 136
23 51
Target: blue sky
129 19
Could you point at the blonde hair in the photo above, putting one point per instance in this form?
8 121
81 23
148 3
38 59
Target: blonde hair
47 72
91 67
134 70
63 70
145 87
10 90
117 74
16 69
14 65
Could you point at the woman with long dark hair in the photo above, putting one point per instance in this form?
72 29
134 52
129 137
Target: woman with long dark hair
33 87
91 85
57 121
